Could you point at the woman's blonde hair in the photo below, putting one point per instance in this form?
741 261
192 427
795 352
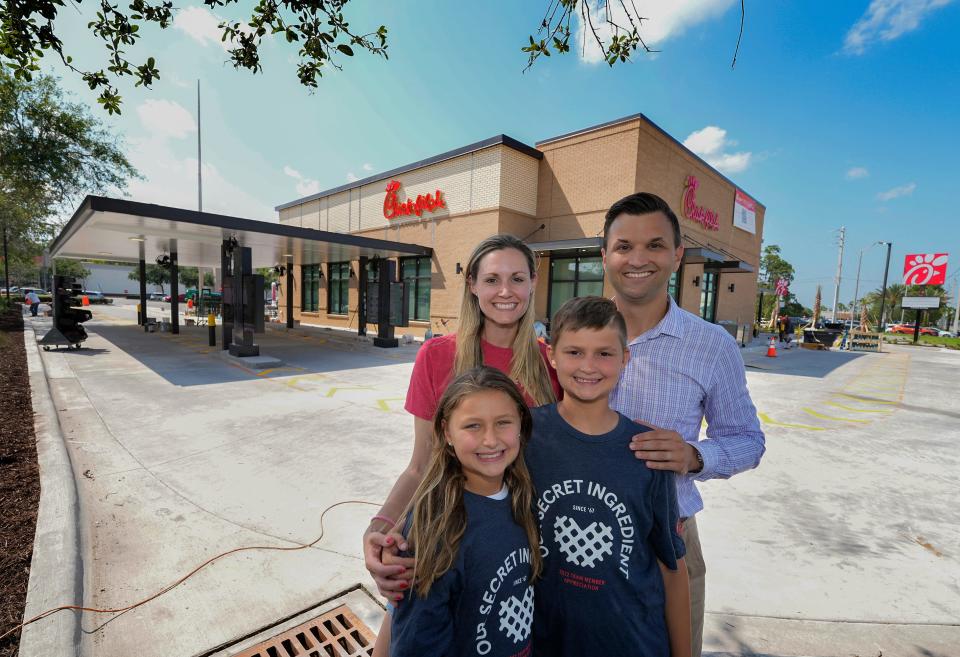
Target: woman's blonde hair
527 366
438 517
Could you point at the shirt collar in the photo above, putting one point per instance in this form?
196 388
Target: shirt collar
671 324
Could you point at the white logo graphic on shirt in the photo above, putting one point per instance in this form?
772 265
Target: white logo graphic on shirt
582 546
516 616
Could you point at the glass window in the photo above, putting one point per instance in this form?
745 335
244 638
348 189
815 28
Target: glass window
673 288
415 272
310 288
574 276
708 296
338 287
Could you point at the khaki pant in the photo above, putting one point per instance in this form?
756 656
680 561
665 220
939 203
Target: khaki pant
697 572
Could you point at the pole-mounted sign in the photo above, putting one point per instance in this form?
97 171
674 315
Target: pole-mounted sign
925 269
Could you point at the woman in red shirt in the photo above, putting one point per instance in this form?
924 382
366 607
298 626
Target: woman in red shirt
496 328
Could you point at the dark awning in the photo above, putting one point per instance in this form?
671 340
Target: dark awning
586 243
730 267
115 229
696 255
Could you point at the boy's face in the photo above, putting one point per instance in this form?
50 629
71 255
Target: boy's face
588 362
640 256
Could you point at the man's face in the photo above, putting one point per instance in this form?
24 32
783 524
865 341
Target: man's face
640 256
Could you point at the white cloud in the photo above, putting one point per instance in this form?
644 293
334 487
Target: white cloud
172 180
857 172
352 177
165 118
305 186
367 167
896 192
200 25
664 19
711 142
886 20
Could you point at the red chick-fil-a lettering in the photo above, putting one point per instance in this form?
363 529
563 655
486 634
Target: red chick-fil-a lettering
709 219
393 207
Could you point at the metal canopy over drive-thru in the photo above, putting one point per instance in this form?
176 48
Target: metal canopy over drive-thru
116 229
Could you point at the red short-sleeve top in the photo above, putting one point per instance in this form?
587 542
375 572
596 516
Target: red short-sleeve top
433 371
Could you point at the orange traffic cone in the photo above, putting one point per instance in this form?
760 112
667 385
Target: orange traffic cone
189 303
772 349
85 300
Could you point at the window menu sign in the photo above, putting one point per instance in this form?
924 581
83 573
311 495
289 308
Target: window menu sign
745 213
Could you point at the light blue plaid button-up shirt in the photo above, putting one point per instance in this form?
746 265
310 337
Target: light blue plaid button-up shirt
680 371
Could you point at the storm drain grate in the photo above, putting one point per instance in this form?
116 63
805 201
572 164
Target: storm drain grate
337 633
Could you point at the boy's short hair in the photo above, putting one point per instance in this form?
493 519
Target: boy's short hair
639 204
588 312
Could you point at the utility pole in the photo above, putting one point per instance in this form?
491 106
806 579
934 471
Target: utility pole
836 289
956 310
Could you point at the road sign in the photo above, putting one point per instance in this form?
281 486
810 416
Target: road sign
921 302
925 269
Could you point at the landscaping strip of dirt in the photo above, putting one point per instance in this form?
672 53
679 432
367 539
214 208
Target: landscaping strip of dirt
19 478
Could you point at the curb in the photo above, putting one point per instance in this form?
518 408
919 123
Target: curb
56 569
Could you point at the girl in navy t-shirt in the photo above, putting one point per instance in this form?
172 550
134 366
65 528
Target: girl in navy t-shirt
471 527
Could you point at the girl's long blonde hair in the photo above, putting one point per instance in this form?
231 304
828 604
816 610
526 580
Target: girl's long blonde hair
437 512
526 367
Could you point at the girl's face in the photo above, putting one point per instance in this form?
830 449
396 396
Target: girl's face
503 286
484 431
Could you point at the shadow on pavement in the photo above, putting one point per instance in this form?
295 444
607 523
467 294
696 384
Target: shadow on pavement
799 362
188 360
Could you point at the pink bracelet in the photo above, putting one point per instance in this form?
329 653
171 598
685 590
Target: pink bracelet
384 519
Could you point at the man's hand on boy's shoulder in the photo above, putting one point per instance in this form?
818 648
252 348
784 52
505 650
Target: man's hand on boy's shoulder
663 449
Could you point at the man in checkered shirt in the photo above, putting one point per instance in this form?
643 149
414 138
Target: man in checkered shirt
682 369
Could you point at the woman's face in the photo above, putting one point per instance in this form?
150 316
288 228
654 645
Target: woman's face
503 286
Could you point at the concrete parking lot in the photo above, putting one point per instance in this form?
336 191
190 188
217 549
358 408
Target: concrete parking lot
843 542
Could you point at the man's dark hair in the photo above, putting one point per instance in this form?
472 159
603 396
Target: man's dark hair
641 203
587 312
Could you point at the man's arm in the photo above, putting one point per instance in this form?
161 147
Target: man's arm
734 441
676 591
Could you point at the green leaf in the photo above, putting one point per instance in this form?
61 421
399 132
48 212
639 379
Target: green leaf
345 49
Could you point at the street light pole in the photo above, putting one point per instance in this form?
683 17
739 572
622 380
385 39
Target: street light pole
883 293
856 289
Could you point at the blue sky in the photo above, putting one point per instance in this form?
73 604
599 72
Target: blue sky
837 113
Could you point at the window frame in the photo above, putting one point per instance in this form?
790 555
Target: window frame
338 274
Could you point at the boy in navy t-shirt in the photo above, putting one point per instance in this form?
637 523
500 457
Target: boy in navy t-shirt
614 582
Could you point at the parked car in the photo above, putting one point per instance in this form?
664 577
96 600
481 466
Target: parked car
903 329
929 330
95 296
945 334
155 296
179 296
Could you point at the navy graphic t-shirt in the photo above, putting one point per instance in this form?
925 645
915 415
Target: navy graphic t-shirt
483 605
605 519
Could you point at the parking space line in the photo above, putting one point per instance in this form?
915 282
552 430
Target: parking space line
814 413
858 410
766 419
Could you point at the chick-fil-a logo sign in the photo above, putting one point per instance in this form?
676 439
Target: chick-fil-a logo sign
393 208
925 269
707 218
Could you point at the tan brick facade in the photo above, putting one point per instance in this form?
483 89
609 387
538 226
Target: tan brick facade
502 188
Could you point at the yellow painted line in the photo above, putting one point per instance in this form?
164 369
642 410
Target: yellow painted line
766 419
384 406
332 391
830 417
286 368
858 410
860 398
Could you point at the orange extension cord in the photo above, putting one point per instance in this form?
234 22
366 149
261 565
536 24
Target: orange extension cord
193 572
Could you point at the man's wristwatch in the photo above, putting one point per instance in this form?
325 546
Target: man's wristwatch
699 460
